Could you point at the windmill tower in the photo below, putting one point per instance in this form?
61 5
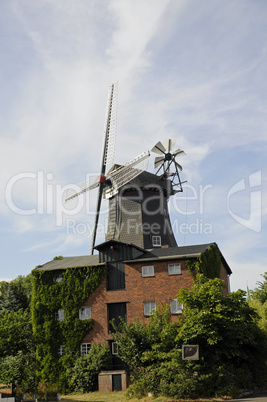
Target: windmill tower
138 213
138 200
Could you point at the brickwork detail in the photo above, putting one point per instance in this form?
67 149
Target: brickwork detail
160 288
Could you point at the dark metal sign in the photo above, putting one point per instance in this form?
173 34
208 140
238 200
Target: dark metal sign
190 352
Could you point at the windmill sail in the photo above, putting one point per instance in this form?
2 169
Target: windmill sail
169 144
124 174
108 150
167 164
111 125
78 189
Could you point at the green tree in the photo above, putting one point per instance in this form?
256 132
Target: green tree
138 338
84 374
260 293
232 353
258 300
225 329
15 333
15 295
9 301
19 370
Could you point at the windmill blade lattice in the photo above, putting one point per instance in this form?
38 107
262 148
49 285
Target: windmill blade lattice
124 174
109 185
78 189
111 124
108 146
167 164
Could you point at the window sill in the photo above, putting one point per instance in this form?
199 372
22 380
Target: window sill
149 276
115 290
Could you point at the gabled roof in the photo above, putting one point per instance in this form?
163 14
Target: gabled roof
113 242
70 262
154 254
194 251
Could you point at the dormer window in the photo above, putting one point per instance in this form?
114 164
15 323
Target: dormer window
156 241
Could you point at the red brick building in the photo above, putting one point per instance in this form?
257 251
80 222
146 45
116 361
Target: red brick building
145 266
132 288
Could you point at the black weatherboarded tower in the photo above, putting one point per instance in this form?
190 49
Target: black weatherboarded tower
138 213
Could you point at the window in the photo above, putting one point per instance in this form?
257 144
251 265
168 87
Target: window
85 313
176 307
156 241
148 271
58 279
116 276
116 312
85 347
174 269
61 350
115 348
60 315
149 307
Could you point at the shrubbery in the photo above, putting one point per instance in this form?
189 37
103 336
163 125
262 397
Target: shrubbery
84 374
230 331
232 346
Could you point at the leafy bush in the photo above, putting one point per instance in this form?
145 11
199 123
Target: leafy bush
84 374
20 370
231 346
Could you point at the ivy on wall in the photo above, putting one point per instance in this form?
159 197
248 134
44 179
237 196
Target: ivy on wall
209 263
67 290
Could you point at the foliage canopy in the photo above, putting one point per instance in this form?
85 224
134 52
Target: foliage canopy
232 354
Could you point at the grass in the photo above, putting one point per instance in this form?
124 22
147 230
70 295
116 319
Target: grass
120 397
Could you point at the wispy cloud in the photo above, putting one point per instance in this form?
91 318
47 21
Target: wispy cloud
196 74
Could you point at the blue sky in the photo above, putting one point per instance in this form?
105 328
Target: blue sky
189 70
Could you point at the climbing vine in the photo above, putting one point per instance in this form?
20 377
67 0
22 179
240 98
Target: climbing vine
209 263
61 290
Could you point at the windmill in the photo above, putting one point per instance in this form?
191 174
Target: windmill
138 213
110 184
168 167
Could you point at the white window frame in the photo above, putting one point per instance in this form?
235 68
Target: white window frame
156 241
175 307
85 347
61 350
114 348
85 313
176 269
58 279
149 307
60 315
148 271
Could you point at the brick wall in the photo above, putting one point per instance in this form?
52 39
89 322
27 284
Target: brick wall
159 288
